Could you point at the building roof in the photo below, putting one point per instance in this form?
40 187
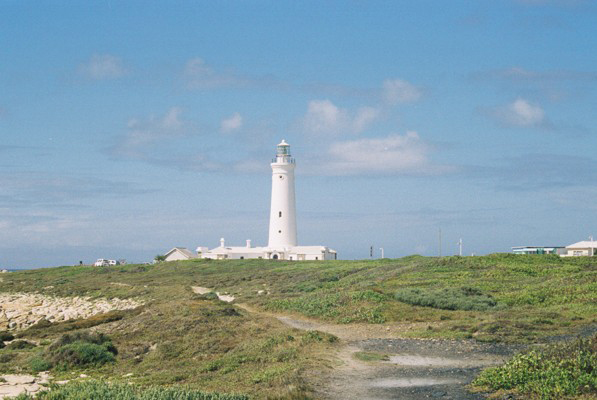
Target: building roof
537 247
585 244
182 250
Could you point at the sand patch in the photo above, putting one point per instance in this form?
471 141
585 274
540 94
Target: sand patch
222 297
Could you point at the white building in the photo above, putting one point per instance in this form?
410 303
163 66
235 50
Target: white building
282 244
538 250
179 253
584 248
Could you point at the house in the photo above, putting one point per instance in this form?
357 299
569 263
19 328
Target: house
584 248
179 253
539 250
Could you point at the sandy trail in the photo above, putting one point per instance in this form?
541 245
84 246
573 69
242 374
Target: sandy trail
415 369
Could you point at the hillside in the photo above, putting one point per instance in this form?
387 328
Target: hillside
178 337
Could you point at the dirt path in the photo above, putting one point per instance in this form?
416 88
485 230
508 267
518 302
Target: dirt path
414 369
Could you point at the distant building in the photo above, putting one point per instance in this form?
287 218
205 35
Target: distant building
102 262
538 250
282 243
179 253
584 248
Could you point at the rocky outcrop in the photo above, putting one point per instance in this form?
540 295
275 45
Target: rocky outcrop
20 310
14 385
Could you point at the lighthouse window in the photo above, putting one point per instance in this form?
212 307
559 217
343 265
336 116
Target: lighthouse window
279 231
280 214
281 177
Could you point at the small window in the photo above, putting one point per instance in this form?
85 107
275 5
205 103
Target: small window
242 258
279 231
317 258
280 214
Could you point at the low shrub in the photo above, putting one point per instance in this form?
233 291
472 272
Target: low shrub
39 364
464 298
555 372
371 356
318 336
20 345
79 349
92 389
6 336
7 357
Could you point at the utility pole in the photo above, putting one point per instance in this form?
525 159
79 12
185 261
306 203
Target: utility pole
381 248
440 242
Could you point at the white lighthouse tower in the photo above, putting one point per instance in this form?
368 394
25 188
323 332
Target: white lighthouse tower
282 219
282 243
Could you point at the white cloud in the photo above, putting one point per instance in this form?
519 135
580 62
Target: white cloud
104 66
143 133
232 123
395 154
397 91
199 75
520 113
364 117
324 117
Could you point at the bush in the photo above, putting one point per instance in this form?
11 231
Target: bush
80 349
7 357
6 336
38 364
20 345
464 298
555 372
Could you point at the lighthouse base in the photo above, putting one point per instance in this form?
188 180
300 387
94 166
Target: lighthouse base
295 253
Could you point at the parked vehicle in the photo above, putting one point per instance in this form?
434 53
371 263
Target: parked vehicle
101 263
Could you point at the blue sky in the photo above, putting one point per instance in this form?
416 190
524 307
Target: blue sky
131 127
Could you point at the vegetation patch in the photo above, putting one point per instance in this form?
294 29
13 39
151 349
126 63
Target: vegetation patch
555 372
45 328
371 356
80 349
464 298
20 345
93 389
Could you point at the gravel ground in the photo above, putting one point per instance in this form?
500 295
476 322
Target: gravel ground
417 369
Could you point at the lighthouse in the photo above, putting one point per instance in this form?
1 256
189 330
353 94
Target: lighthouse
282 244
282 219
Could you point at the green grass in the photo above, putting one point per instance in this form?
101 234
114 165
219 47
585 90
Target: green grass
370 356
93 390
464 298
180 338
556 372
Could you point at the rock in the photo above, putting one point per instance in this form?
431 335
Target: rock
83 376
18 379
438 394
32 388
10 391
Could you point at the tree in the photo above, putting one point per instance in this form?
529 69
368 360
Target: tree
160 257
